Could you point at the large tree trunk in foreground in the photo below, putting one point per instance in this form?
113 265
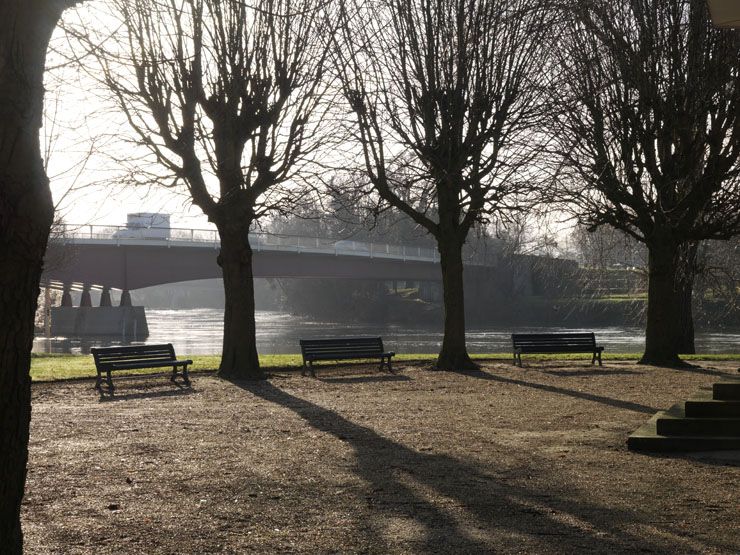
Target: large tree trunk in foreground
663 328
26 212
454 355
18 293
239 359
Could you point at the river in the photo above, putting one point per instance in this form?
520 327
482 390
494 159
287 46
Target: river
199 331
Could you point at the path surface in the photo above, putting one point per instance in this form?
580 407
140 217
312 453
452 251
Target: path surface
511 460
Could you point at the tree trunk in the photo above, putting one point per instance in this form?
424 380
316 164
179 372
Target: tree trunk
664 309
454 355
26 212
239 359
686 275
18 293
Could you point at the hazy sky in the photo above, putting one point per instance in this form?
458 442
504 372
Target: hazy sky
80 141
82 137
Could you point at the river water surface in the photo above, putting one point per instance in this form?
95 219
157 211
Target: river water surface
199 331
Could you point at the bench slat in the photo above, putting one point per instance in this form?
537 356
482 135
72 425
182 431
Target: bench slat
343 349
149 364
108 359
553 343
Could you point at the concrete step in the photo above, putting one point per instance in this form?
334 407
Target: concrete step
704 405
728 390
712 408
674 422
646 438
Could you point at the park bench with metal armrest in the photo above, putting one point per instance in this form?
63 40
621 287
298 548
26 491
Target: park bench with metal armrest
343 348
553 343
135 357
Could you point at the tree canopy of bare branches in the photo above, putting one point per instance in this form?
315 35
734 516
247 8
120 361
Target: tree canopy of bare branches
648 136
224 96
445 101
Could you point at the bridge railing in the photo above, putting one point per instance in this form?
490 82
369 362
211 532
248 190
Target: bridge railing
258 240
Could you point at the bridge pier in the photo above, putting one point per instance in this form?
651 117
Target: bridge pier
127 323
125 298
105 299
86 299
66 295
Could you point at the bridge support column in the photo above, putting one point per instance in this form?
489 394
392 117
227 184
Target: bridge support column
424 291
85 299
125 298
66 296
105 297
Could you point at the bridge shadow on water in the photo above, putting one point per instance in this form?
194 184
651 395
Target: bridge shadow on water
422 487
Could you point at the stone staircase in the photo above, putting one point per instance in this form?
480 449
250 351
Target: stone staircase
708 421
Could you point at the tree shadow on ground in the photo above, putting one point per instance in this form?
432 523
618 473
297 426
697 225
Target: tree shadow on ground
592 372
628 405
149 393
696 369
365 379
422 487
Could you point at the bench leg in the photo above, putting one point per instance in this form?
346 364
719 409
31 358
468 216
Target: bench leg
303 369
109 379
386 362
185 375
593 358
310 368
599 358
99 382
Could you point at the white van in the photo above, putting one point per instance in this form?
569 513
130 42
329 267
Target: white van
145 225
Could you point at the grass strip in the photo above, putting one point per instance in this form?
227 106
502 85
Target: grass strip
51 367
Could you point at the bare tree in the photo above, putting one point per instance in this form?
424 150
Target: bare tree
26 213
222 95
648 138
444 98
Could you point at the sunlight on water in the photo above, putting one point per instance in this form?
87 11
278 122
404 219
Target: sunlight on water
199 331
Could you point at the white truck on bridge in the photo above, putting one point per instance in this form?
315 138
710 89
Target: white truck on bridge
145 225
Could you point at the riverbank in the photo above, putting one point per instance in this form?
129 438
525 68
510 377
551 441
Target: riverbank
509 460
52 367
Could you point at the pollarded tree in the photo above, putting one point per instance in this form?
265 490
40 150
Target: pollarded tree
649 138
26 214
445 99
222 95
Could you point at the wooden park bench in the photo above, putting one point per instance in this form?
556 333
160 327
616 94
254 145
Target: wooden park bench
550 343
110 359
343 349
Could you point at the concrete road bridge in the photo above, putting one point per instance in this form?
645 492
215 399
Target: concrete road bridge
84 256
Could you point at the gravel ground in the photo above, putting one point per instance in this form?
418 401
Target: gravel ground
510 460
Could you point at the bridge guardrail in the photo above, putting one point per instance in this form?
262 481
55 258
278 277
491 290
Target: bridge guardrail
258 240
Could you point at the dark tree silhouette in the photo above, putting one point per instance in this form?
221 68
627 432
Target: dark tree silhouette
222 94
445 100
26 214
648 139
